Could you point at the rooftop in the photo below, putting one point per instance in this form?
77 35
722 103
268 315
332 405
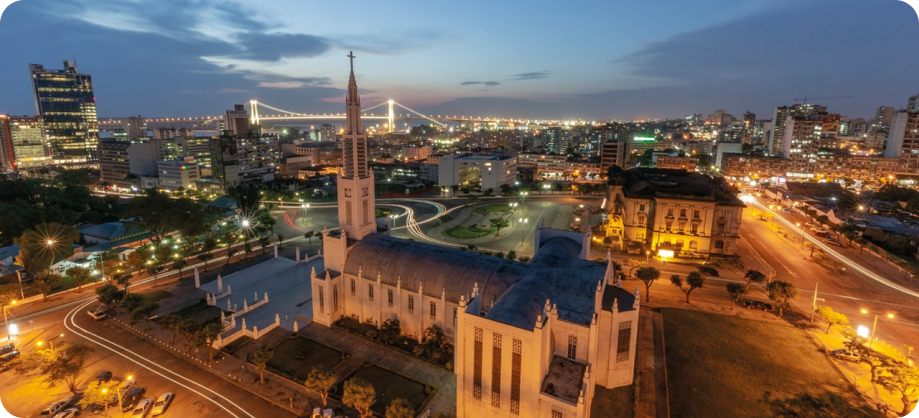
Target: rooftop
679 184
510 292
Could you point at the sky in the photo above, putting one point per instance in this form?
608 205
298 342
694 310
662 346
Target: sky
597 60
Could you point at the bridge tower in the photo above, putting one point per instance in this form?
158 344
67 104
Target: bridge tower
253 109
392 117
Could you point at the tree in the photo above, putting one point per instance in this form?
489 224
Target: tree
230 253
472 198
131 301
832 317
433 343
648 275
109 295
499 223
512 255
45 282
209 333
754 276
204 258
359 395
8 293
455 188
143 311
635 263
782 293
170 322
155 212
123 279
608 242
247 199
309 235
180 264
248 249
389 332
48 243
874 359
98 393
64 363
320 381
79 276
154 268
903 379
736 291
187 329
260 357
138 258
400 408
707 271
694 280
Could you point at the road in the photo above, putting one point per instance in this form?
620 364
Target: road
198 392
848 291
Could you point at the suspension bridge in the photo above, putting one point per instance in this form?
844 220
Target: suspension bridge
387 112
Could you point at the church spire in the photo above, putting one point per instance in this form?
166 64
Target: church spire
354 142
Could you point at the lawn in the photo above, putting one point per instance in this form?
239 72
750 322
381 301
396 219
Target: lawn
613 403
492 208
389 386
468 232
718 366
157 295
295 357
235 346
201 312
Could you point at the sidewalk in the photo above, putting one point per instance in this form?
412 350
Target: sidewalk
653 398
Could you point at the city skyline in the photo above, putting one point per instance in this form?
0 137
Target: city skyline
689 59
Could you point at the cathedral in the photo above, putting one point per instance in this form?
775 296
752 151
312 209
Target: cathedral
557 325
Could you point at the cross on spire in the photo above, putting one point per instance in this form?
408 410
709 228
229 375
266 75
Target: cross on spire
351 55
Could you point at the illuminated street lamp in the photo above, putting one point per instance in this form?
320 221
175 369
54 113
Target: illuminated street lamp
798 224
10 329
875 326
647 257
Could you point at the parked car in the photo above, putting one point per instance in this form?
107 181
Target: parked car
103 376
846 355
833 241
8 356
55 407
125 386
162 403
132 399
7 348
68 413
142 408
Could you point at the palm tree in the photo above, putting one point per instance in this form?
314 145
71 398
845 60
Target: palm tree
309 235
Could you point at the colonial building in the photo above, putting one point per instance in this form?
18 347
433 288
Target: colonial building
531 339
673 212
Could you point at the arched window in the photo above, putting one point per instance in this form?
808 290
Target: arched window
679 244
719 245
693 245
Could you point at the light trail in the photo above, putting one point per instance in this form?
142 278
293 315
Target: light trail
845 260
72 326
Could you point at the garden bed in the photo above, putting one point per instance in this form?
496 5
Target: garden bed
389 386
403 343
296 356
468 232
492 208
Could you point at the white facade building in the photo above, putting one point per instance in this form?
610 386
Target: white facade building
490 171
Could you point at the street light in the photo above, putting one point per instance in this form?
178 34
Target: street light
798 224
9 328
647 257
522 233
875 326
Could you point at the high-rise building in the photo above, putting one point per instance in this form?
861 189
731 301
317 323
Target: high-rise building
65 101
135 127
356 213
327 133
114 163
895 135
7 158
197 147
613 153
909 150
28 142
556 141
777 138
913 104
884 115
236 121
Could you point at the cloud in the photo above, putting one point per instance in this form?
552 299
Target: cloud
281 84
273 47
530 76
484 83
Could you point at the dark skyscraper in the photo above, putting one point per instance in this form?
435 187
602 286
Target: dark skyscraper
65 102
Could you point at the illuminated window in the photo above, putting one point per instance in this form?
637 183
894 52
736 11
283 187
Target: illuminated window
389 296
411 304
572 346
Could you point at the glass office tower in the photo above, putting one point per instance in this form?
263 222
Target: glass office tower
65 101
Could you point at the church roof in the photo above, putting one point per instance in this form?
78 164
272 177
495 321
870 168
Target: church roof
512 293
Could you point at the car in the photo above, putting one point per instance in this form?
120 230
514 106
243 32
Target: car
822 234
162 403
97 314
7 348
55 407
833 241
142 408
103 376
846 355
132 399
68 413
9 356
125 386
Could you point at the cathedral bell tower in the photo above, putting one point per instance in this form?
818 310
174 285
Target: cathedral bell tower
356 203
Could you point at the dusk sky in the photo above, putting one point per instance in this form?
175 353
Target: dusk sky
591 59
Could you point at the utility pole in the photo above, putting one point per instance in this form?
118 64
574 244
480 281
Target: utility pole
814 307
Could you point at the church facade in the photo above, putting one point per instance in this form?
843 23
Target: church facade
530 339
